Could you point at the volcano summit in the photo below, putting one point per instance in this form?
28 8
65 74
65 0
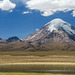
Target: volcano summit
55 31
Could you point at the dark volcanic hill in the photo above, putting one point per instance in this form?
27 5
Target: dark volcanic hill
0 38
56 31
12 39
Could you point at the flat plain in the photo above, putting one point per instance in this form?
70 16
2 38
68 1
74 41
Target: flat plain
37 62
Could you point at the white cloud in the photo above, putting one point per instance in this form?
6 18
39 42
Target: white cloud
47 13
7 5
49 7
26 12
73 13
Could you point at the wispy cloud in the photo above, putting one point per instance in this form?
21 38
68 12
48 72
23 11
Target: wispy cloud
73 13
26 12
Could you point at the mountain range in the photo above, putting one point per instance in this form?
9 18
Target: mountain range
55 35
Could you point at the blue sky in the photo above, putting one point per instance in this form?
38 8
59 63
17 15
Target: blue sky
22 21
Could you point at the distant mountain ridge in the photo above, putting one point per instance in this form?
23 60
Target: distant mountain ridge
0 38
12 39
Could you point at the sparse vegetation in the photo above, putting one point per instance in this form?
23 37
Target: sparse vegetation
38 57
32 74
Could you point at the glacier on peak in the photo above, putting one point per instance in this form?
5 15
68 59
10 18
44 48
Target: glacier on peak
58 24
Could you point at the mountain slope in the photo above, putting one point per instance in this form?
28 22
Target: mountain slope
56 31
16 46
2 41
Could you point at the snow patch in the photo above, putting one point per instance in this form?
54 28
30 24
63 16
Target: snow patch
59 23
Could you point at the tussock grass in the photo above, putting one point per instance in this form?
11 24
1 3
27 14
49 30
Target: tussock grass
36 68
36 56
32 74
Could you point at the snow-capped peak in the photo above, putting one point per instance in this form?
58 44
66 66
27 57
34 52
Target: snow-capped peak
57 23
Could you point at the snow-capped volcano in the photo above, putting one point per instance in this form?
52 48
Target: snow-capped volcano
56 30
59 24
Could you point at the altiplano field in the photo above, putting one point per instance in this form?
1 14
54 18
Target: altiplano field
37 62
32 74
